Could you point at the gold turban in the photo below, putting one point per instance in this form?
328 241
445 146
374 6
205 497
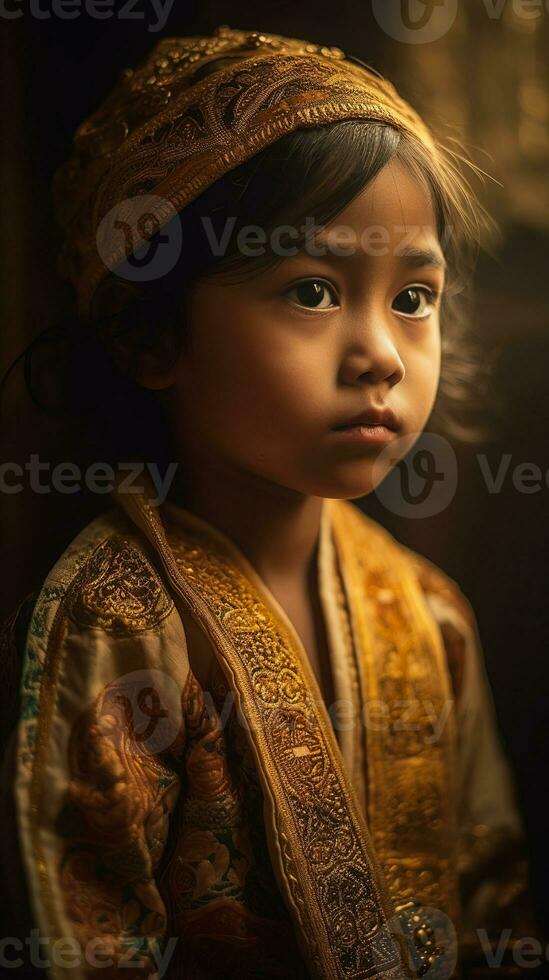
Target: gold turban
174 125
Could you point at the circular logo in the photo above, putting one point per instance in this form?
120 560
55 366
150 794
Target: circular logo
422 481
415 21
150 703
132 227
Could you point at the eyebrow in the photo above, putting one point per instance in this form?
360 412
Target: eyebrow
413 255
419 257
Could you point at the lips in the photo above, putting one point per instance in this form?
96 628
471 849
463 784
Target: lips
372 416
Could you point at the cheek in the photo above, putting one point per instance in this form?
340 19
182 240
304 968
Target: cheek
261 367
423 375
242 383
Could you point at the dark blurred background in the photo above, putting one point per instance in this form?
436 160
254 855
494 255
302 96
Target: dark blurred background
485 80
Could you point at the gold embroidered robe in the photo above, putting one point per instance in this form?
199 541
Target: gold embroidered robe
177 777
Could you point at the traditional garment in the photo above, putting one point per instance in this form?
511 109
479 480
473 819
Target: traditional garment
178 779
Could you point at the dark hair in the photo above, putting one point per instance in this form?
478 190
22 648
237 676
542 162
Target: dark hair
311 172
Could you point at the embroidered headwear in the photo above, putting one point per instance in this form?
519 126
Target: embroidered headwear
194 109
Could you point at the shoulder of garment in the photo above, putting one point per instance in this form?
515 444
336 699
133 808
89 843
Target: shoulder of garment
108 580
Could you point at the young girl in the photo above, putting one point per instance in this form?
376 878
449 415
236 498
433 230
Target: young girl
255 737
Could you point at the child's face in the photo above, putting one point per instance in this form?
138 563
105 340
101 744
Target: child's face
270 369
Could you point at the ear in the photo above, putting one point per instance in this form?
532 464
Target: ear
156 367
149 358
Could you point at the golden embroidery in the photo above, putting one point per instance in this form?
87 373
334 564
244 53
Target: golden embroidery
120 591
219 889
328 868
114 827
98 847
212 854
411 757
411 763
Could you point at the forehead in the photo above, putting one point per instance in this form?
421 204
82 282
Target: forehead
395 203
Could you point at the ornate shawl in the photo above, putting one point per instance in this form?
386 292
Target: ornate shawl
263 840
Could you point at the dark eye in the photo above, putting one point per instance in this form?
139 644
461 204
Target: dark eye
415 301
315 294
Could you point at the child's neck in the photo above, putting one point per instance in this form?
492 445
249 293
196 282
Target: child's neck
277 529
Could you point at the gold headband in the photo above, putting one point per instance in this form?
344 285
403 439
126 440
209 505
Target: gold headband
173 126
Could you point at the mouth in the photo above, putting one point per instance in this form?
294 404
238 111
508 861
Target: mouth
365 433
373 425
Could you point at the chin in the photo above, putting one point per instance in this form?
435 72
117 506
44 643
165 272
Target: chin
350 482
344 490
351 493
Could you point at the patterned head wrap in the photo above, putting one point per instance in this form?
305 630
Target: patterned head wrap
194 109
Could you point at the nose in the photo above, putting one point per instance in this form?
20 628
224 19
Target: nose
371 356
